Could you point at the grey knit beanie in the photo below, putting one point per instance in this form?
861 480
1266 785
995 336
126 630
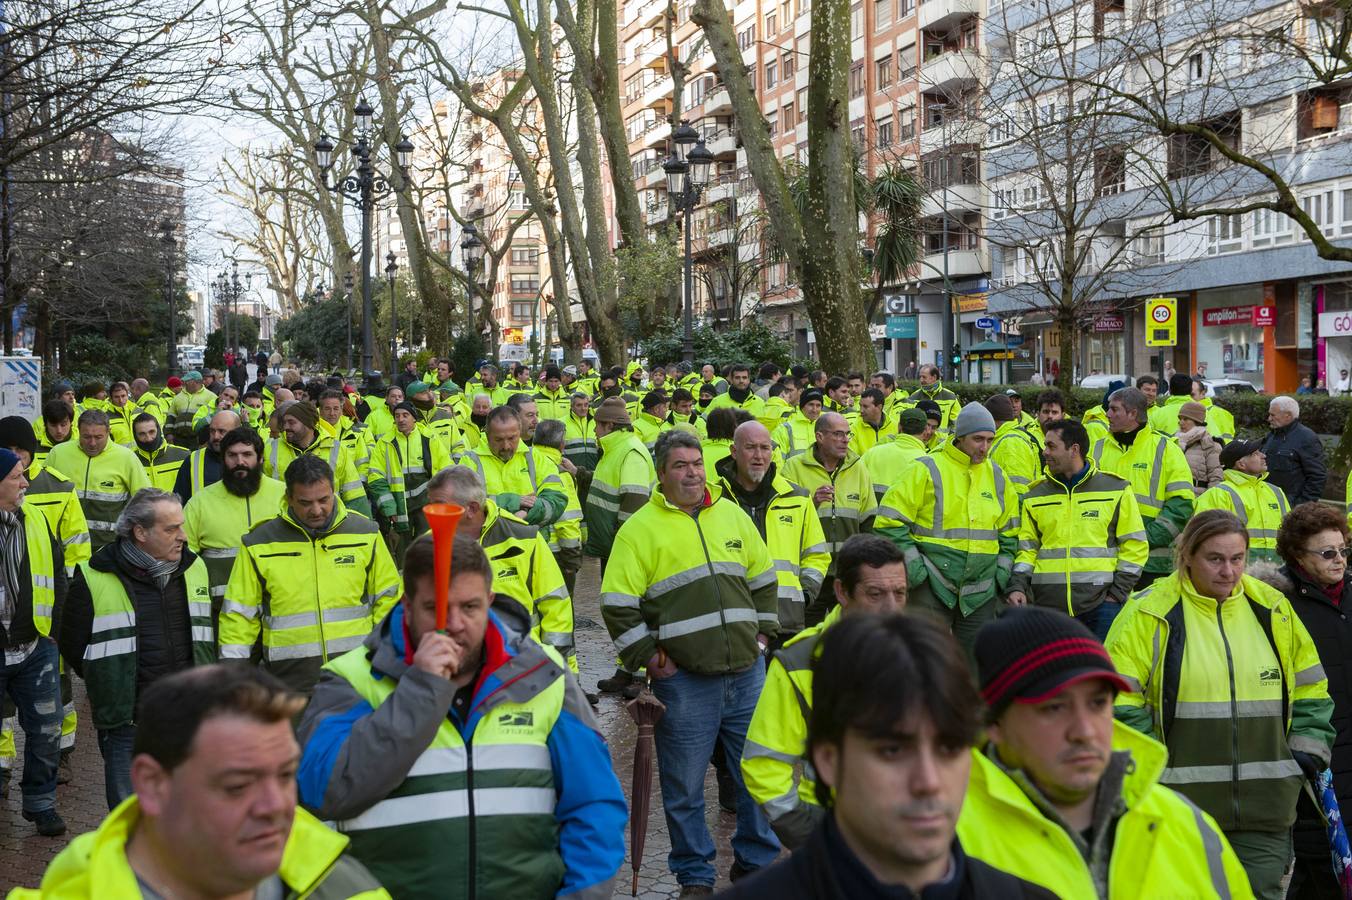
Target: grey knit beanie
973 418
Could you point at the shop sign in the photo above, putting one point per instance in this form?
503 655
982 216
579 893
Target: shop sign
1264 316
971 302
877 332
988 323
1109 322
903 327
1335 324
1221 316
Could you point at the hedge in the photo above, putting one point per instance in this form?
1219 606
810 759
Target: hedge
1325 415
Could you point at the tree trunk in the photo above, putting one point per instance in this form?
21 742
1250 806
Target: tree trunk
830 262
1065 323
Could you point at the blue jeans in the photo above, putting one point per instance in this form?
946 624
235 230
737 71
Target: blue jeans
1100 618
115 745
702 709
35 687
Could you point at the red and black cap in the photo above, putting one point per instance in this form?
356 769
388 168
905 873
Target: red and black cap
1030 654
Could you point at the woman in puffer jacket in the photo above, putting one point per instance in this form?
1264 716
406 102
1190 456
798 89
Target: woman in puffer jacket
1202 450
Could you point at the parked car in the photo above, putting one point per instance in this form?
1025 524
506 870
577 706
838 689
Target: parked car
1216 387
1101 382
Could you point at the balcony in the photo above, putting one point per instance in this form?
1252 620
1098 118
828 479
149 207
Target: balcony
651 53
942 15
951 73
721 143
657 213
957 131
717 102
958 198
961 264
722 237
721 189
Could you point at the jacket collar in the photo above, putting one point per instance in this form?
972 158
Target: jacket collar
1243 479
339 514
909 440
952 452
311 850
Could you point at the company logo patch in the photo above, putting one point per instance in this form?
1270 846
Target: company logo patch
734 544
1089 514
347 559
107 484
787 520
1269 674
517 719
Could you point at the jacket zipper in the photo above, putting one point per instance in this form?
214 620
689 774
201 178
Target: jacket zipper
718 592
1234 715
469 796
1070 529
319 609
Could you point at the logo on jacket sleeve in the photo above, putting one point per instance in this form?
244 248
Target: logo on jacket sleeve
1269 675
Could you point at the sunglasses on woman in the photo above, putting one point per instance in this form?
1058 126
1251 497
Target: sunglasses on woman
1332 552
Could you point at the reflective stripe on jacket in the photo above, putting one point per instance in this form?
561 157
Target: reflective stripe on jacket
1162 480
54 494
886 462
957 525
1232 688
104 484
698 586
1079 545
215 522
620 487
1161 845
312 598
852 505
1259 505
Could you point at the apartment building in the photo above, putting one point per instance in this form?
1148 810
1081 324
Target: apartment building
914 84
1256 303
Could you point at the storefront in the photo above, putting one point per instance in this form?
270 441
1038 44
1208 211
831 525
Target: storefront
1230 337
1104 346
1333 300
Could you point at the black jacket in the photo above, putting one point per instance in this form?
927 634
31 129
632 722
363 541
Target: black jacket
826 869
163 626
212 472
1295 461
1331 630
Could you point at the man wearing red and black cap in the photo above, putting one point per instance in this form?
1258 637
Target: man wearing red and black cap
1063 795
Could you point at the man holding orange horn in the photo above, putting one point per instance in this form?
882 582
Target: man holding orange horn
502 783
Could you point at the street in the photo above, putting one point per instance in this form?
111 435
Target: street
81 803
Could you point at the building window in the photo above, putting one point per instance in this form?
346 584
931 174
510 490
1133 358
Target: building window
1110 172
1149 247
1319 207
747 37
884 133
906 63
882 14
905 8
771 25
1196 69
857 81
772 120
522 312
883 73
786 118
857 21
802 105
525 255
787 64
1225 234
1272 228
1003 203
1191 154
771 74
525 284
906 120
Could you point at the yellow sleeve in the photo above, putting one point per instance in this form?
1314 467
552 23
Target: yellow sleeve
240 612
382 581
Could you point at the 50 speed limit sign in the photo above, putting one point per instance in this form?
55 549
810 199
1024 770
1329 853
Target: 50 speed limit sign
1161 322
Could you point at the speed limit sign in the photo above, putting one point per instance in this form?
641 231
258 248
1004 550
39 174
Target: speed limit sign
1161 322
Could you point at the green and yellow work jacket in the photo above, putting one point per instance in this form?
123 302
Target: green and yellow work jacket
1232 687
620 486
957 525
852 506
579 441
524 569
401 467
507 481
312 596
887 461
700 587
215 522
1259 505
1081 542
54 494
1162 480
104 484
162 464
347 481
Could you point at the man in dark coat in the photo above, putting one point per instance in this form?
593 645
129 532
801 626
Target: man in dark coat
1295 457
863 849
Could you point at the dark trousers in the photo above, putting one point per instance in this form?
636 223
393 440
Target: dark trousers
115 744
34 686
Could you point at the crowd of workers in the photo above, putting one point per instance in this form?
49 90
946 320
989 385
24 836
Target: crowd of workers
955 651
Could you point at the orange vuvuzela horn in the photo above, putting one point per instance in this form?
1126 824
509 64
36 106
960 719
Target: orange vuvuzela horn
443 517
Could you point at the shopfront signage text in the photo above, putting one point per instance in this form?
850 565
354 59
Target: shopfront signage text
1335 324
1109 322
1221 316
1264 316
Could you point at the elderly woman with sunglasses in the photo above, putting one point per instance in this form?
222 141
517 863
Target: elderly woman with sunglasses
1313 543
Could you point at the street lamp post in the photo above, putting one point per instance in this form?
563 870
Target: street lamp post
365 186
473 250
167 237
348 281
392 272
687 173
